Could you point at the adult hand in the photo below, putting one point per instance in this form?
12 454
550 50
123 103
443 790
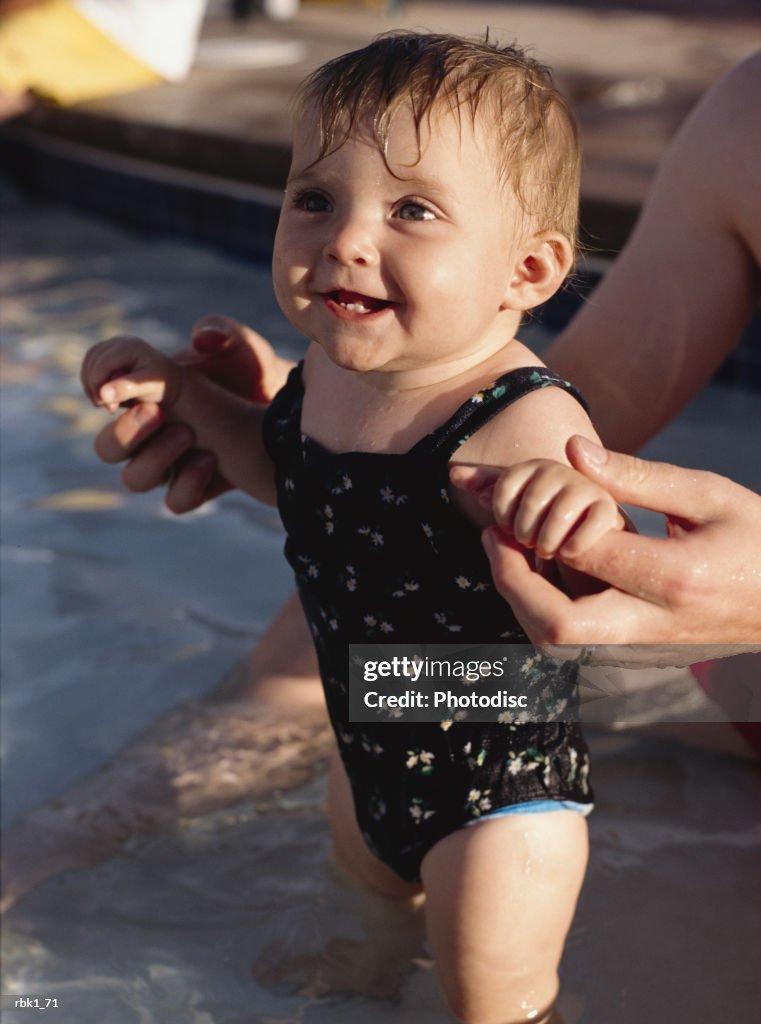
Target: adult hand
693 595
156 453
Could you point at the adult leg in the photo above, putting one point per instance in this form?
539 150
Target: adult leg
264 728
282 673
500 898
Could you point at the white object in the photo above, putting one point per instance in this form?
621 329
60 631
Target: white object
249 53
280 10
161 33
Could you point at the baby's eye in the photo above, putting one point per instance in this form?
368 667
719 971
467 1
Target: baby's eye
312 202
415 211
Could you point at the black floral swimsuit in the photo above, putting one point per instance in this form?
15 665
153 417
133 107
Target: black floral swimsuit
381 553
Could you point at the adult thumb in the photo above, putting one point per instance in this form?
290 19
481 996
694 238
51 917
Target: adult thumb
658 486
213 335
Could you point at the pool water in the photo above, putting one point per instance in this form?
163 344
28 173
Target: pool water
115 612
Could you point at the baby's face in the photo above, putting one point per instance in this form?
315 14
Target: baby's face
401 264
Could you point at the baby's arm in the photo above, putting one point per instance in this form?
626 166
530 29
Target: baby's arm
517 472
127 369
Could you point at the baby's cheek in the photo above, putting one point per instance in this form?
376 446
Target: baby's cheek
282 287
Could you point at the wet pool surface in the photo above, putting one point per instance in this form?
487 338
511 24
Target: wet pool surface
114 612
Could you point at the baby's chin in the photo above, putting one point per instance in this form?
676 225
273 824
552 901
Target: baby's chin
355 356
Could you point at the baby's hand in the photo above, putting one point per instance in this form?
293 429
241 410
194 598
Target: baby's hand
545 505
125 369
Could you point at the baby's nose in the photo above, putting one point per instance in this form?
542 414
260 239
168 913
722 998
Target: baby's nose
351 243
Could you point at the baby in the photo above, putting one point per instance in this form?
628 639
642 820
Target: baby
432 201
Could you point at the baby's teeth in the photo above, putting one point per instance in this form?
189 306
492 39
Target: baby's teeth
355 307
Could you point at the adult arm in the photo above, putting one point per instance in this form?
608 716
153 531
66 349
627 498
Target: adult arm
677 298
647 341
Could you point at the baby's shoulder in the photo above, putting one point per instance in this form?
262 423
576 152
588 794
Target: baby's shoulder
536 424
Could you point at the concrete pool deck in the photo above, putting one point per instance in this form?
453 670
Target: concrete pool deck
631 75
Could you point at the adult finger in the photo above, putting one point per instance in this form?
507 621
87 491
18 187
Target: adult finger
237 357
216 332
659 486
649 568
152 465
124 435
551 617
194 482
537 603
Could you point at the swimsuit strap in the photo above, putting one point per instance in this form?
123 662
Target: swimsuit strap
282 426
488 403
282 419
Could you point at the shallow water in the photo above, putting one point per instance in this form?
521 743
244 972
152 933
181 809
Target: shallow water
113 609
115 612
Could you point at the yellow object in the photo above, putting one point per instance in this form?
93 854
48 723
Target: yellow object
80 501
56 52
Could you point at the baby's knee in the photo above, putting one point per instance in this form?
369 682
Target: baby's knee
507 1002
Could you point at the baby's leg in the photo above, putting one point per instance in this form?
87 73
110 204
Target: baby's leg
389 907
500 897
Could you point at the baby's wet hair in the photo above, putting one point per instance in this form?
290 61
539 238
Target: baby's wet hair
538 145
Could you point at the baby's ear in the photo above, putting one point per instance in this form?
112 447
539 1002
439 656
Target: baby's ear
541 266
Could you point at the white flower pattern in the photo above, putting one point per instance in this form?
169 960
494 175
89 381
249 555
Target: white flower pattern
366 576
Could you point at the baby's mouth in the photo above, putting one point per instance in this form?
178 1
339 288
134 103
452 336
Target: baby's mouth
355 302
